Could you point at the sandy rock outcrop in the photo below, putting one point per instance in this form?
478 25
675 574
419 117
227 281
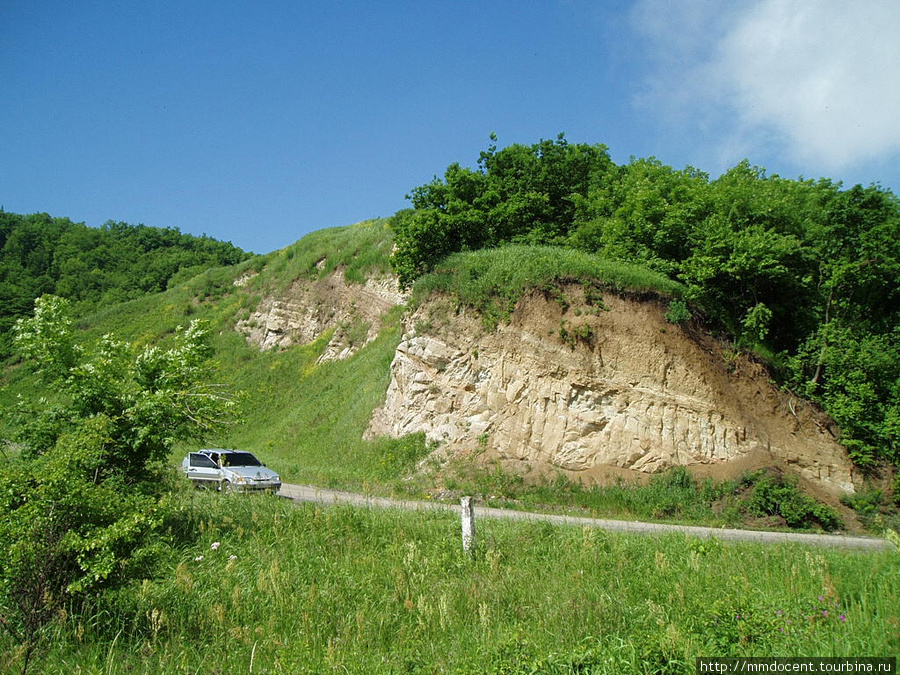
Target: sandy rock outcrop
312 307
593 393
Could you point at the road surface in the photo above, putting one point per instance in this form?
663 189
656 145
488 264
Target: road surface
308 493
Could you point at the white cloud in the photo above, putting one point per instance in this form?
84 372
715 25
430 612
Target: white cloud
820 79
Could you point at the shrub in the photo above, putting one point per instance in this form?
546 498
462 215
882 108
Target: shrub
780 496
81 510
867 504
678 477
572 335
678 312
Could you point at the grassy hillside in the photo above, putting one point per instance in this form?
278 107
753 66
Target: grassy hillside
493 280
265 586
307 420
304 419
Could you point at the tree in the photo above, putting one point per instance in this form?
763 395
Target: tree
851 360
81 510
644 211
524 194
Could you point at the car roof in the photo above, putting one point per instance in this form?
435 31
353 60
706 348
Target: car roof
223 452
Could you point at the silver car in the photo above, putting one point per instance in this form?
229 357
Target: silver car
229 470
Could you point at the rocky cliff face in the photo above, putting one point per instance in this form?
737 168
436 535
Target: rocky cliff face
592 392
311 308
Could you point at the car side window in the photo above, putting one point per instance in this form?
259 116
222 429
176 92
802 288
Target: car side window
202 461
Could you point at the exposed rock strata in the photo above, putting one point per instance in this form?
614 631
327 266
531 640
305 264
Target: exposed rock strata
625 391
311 308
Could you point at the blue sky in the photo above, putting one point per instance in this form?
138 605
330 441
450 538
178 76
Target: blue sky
258 122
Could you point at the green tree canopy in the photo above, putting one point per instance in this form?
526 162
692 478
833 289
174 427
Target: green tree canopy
116 262
518 194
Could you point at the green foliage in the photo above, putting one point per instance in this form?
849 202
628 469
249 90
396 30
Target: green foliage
856 375
678 312
80 510
93 266
146 402
643 212
756 323
780 496
867 503
519 194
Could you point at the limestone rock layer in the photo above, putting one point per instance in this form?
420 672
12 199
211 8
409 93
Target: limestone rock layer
575 388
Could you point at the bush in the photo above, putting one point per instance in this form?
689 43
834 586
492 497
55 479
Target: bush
678 312
779 496
867 504
678 477
80 512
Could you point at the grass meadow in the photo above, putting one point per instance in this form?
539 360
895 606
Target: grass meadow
260 585
493 280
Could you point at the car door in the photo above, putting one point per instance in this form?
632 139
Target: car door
203 470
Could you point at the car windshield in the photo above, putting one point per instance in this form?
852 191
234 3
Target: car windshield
202 460
239 459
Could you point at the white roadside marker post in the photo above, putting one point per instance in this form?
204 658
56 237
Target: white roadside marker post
468 525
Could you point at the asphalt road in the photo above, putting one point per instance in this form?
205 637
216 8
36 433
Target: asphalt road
309 493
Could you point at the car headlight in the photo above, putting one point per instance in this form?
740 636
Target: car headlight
240 479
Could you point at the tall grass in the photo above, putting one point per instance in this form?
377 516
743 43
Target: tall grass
672 496
360 250
755 499
493 280
268 587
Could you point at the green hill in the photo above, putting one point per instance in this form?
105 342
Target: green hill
305 418
803 274
93 267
